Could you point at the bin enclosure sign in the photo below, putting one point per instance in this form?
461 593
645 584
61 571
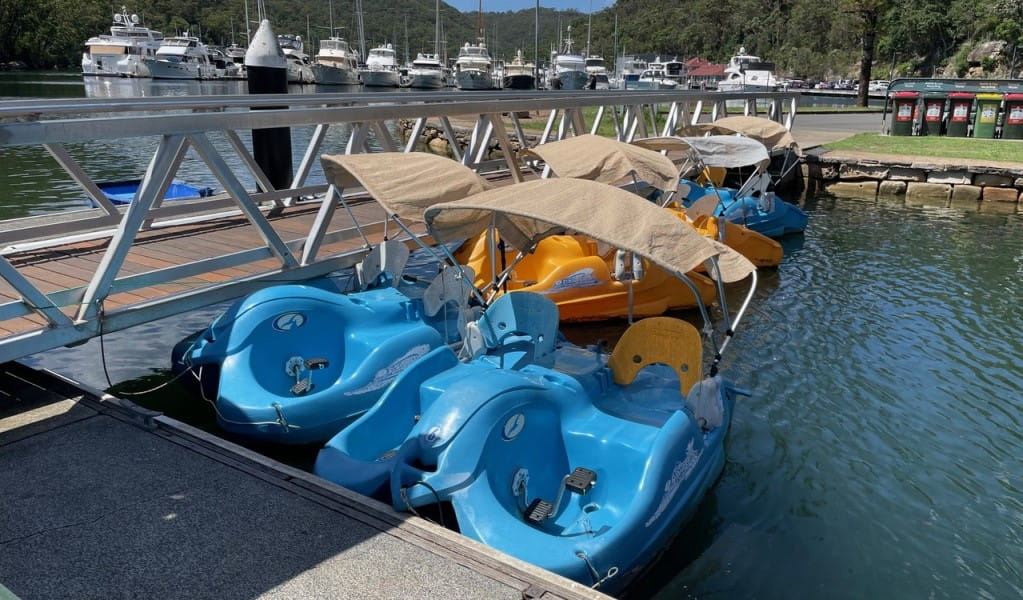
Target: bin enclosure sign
933 109
905 112
987 113
960 111
1016 115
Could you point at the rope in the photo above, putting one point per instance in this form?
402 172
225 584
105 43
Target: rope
403 492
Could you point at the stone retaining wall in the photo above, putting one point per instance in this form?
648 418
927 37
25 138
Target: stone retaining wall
433 139
914 179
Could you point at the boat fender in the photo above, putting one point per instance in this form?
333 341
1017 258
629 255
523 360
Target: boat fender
704 400
628 266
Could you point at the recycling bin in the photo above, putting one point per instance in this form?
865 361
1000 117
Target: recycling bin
904 112
1012 128
934 113
959 105
986 119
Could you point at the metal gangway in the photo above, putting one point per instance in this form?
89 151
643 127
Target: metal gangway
69 277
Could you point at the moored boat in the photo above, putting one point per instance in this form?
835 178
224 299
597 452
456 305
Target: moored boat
381 68
300 66
568 67
580 461
182 57
336 63
518 74
748 73
122 52
293 364
124 192
426 72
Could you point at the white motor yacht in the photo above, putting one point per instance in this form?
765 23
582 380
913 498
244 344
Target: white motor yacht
182 57
629 69
121 53
568 67
518 74
596 72
426 72
747 73
381 68
655 79
300 66
473 67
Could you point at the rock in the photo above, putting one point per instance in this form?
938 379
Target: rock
859 171
439 146
994 194
952 177
928 191
992 50
966 193
891 188
904 174
859 189
992 180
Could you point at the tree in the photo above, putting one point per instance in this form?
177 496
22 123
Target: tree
868 14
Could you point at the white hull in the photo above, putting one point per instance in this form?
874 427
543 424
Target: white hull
426 81
379 78
327 75
727 86
474 80
110 66
162 69
300 73
572 80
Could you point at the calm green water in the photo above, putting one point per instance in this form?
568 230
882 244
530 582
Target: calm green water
880 454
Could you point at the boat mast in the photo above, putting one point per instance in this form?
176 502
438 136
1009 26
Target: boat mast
589 27
536 46
480 38
248 36
362 31
406 41
436 33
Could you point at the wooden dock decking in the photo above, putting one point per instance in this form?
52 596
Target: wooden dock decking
70 266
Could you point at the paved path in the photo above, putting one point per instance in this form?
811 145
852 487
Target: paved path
812 130
95 506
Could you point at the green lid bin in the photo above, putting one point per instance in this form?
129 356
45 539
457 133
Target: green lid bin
987 115
934 113
904 112
959 105
1012 129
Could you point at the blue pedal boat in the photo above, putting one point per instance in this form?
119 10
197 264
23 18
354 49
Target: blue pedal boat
577 460
296 363
753 205
123 192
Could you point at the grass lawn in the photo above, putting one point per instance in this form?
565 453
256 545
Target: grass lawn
940 147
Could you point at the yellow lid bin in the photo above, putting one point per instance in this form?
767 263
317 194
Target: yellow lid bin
987 115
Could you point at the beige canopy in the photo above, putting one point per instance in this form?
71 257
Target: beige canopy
404 183
605 160
527 212
768 132
728 151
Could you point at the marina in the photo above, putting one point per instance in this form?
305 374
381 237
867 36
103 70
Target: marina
788 516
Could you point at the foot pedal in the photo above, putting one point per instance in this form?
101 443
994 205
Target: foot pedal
581 480
316 363
539 510
301 387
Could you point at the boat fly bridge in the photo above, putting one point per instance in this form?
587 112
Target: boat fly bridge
70 276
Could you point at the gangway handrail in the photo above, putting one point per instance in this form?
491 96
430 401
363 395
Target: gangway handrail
190 124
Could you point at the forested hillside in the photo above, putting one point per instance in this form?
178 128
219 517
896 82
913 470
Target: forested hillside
804 38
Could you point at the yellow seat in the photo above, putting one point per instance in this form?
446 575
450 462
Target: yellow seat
658 340
715 175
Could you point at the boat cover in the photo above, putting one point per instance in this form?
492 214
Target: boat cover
768 132
728 151
604 160
404 183
525 213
